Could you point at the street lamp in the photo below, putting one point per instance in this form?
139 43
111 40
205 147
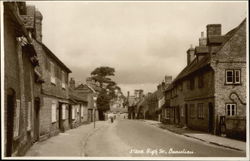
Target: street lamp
94 98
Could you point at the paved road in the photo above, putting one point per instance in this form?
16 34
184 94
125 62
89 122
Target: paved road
136 138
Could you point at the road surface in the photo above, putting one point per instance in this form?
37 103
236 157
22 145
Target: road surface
129 138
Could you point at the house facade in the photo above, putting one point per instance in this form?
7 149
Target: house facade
22 83
209 94
78 109
54 102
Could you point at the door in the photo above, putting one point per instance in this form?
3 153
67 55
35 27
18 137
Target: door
211 117
186 114
10 120
36 119
70 116
60 118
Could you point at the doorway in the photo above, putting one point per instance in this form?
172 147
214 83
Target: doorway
36 119
60 122
210 117
11 97
186 114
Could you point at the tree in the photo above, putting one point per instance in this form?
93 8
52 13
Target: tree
107 85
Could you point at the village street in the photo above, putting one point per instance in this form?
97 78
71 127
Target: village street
126 138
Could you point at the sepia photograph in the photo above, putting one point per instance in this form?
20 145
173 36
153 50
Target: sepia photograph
124 80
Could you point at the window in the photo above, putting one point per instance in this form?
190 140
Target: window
237 76
29 116
231 109
192 111
233 76
52 70
200 81
63 80
181 86
182 111
47 63
73 112
167 113
200 110
63 111
192 83
229 76
81 111
53 112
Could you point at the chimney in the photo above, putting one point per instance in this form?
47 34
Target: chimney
72 83
213 30
190 54
202 40
38 25
168 79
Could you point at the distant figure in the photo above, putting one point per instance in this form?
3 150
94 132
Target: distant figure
111 119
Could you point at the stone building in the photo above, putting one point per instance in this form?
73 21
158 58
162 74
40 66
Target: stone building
22 83
54 102
209 94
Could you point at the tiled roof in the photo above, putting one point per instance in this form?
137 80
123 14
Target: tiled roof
73 95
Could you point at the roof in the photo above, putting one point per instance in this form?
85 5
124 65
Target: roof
74 96
54 57
230 34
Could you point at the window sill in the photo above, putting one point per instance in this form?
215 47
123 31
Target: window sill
233 84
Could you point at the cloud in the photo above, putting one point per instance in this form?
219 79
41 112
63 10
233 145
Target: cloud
143 41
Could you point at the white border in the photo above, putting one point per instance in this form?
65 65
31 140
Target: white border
125 158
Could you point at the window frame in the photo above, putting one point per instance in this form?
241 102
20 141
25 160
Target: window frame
237 70
234 82
230 112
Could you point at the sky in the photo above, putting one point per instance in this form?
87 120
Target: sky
143 41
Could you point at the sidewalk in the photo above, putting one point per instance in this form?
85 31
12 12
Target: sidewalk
70 143
206 137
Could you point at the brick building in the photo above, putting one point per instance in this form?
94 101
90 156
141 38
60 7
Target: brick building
54 102
212 87
22 83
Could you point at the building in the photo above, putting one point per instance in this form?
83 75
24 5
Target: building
78 110
209 94
22 83
117 104
89 92
55 94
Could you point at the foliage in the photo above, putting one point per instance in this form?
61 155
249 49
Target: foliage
107 85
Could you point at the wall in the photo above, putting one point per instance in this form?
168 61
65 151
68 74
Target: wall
231 56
